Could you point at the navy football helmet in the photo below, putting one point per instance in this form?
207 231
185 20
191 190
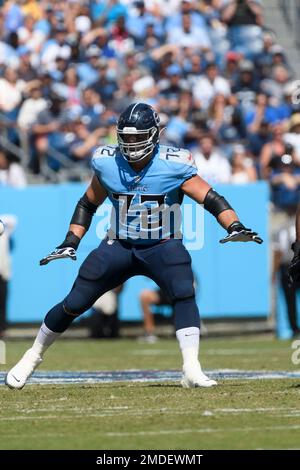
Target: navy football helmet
138 131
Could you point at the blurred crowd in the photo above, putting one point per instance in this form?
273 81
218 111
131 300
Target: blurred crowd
221 83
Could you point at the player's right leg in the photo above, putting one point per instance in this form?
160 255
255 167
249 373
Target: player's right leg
104 269
169 264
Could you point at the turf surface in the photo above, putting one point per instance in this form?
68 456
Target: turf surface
237 414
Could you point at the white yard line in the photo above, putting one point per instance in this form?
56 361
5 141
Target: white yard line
91 412
204 430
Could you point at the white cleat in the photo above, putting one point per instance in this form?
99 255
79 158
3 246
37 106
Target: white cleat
194 377
17 376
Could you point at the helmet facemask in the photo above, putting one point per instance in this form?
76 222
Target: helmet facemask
135 145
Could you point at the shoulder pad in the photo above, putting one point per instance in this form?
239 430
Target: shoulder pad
177 155
105 151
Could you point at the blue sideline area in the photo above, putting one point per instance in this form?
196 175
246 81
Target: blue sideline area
233 279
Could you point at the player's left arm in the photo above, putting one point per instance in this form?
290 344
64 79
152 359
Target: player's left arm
199 190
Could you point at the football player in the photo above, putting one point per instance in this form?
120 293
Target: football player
294 269
144 182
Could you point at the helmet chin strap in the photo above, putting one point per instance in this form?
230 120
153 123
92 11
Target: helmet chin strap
132 160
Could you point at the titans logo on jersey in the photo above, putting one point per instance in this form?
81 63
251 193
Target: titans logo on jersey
146 204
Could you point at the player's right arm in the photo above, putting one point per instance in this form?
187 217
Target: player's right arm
81 220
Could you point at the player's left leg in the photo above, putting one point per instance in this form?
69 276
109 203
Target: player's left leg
169 265
104 269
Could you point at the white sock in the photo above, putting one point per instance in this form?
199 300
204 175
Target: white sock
189 344
44 339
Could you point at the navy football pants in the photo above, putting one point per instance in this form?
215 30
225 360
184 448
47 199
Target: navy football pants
168 263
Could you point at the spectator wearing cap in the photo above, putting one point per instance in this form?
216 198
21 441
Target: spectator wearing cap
293 136
247 85
56 46
193 67
105 85
175 84
92 108
275 84
87 70
25 68
278 55
46 81
61 66
44 25
152 40
231 69
211 163
285 184
209 85
264 59
273 150
243 170
188 35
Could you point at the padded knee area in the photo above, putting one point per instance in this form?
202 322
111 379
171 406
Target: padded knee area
181 290
76 305
71 311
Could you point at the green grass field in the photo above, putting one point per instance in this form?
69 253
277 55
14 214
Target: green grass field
237 414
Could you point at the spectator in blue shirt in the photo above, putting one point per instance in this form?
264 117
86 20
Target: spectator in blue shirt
285 183
137 24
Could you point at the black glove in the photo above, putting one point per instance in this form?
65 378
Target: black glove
294 267
66 250
237 232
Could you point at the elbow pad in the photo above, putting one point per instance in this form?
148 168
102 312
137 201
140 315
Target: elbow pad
215 204
84 212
